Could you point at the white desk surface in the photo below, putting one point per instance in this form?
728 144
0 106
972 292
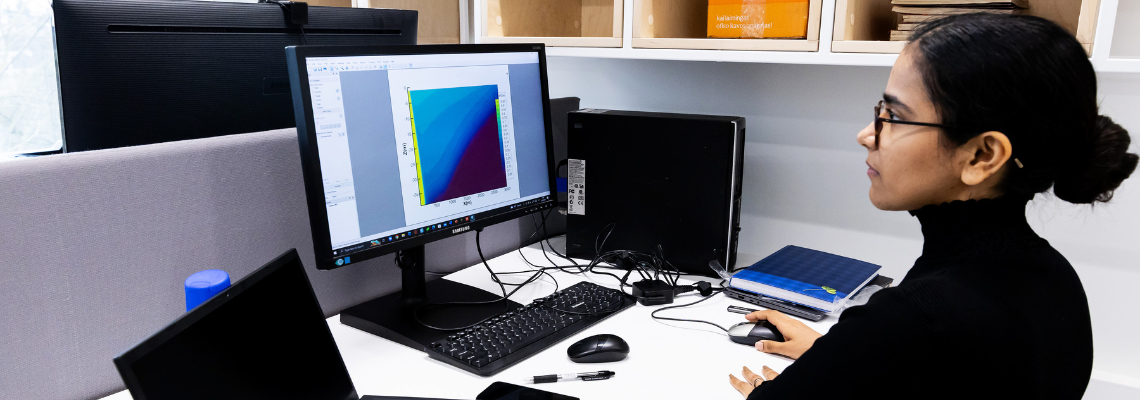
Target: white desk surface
668 360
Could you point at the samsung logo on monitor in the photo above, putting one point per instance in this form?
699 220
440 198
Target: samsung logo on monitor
460 229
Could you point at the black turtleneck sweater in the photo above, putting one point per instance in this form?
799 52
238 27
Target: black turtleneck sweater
989 310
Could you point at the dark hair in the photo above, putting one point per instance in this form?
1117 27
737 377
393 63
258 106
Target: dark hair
1029 79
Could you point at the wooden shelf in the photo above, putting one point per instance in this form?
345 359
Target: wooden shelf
863 26
858 28
683 24
728 44
439 20
570 23
867 46
558 41
744 56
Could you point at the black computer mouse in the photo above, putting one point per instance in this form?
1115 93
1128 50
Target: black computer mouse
598 349
751 332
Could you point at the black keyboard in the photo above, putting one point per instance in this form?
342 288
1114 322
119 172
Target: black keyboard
511 337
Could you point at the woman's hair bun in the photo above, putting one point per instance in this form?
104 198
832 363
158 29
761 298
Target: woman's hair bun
1108 163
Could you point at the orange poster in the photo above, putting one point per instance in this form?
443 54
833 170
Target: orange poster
755 19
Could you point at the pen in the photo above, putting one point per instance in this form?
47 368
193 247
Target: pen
586 376
740 310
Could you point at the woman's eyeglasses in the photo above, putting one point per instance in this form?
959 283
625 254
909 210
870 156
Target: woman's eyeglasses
880 120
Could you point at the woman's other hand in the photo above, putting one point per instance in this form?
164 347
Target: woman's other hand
798 337
751 380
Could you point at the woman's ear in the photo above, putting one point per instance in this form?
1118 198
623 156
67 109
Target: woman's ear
983 157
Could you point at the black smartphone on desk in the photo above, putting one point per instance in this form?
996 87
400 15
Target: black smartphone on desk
507 391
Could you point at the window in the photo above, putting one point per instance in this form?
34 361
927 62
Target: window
29 89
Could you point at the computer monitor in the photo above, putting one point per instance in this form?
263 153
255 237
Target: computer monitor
405 145
135 72
265 337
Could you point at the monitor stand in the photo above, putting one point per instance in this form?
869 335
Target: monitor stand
390 316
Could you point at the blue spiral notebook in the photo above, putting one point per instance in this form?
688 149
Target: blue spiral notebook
804 276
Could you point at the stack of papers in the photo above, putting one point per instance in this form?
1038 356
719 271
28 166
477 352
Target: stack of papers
914 12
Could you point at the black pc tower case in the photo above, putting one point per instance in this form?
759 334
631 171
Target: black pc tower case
135 72
672 180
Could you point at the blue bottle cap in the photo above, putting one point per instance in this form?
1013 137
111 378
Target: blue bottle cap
203 285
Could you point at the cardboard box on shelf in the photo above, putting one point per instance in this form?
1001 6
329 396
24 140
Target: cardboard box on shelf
758 19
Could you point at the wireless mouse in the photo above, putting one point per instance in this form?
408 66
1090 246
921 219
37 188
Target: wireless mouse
751 332
598 349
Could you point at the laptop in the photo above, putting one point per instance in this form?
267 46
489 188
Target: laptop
265 337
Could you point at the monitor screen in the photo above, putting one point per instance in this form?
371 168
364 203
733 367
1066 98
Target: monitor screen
263 338
411 145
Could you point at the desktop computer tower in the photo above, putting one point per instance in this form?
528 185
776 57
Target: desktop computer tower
652 179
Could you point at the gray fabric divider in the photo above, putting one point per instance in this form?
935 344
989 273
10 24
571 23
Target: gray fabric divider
94 247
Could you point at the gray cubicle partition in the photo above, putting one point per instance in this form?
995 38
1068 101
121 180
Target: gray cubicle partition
94 247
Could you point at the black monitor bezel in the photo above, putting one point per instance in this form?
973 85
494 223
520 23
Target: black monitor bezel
310 161
125 362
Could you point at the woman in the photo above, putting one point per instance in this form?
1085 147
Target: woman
981 112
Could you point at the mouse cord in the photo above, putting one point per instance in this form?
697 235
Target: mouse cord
654 313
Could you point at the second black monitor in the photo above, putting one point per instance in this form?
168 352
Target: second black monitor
135 72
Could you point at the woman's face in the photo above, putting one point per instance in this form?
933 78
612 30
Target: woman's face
910 167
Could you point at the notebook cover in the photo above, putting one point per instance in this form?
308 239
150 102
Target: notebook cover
786 307
805 271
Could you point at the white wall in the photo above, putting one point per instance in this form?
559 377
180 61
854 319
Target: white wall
805 180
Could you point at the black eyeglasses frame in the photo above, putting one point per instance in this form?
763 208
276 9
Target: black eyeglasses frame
880 120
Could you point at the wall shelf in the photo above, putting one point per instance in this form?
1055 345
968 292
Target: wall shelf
863 26
748 56
1126 35
559 23
867 46
683 24
1118 39
620 29
440 21
557 41
727 44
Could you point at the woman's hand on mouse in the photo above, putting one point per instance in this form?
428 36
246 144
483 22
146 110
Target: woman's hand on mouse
798 337
751 380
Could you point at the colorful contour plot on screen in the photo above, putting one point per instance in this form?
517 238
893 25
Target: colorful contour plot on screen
457 136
